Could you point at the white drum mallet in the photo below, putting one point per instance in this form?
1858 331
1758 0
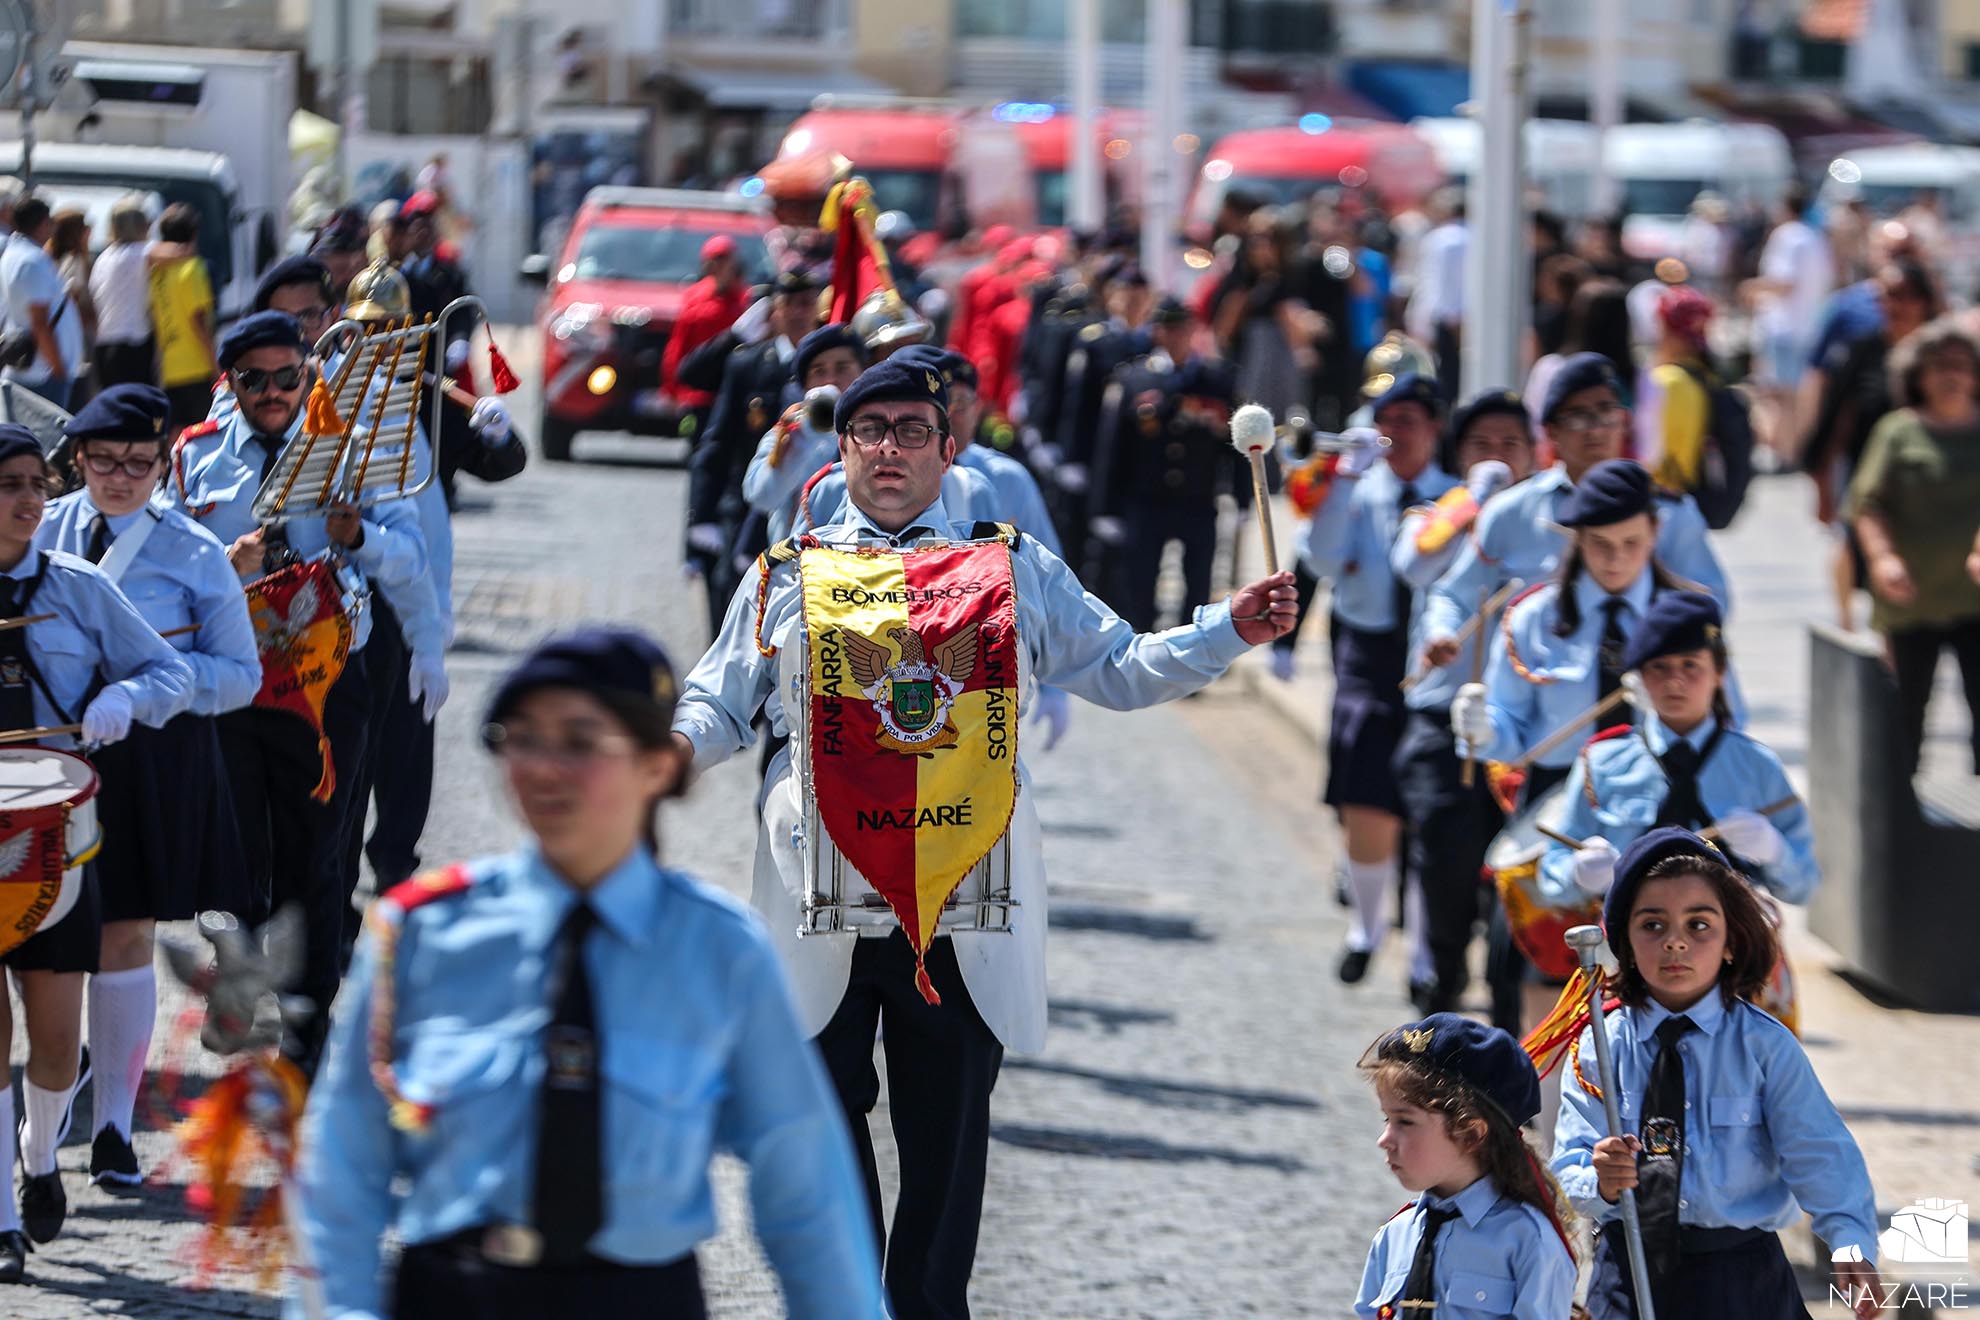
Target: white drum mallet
1252 434
1586 941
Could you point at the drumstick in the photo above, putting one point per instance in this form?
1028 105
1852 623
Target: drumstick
1251 435
180 632
24 621
29 735
1472 626
1572 727
1565 840
1469 775
1710 832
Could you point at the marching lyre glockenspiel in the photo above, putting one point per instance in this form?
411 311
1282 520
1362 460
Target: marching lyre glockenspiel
359 440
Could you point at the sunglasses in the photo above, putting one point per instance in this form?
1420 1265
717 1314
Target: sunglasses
253 380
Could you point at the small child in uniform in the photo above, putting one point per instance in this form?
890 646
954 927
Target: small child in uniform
1487 1234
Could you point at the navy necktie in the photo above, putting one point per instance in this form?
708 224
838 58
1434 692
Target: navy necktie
1660 1164
99 540
1419 1292
569 1199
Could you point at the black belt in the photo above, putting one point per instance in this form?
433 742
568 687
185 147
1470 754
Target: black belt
520 1247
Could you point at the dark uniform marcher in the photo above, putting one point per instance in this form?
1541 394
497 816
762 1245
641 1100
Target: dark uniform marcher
539 1053
1099 349
171 847
1163 456
96 662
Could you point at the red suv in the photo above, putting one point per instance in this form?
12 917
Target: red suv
614 293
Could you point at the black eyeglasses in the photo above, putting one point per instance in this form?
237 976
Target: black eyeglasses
253 380
908 433
103 465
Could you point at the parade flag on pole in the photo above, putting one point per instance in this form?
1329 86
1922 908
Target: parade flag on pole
913 731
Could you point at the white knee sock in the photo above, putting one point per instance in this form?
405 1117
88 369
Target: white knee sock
10 1213
122 1007
43 1129
1416 926
1370 884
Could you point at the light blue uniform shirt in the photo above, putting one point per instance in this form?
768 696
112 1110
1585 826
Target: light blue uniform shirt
966 495
1350 535
96 629
1761 1135
1073 639
1515 537
1499 1257
1014 494
774 491
180 578
700 1052
215 478
1625 778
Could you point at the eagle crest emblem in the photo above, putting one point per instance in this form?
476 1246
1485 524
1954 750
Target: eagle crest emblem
1418 1039
914 694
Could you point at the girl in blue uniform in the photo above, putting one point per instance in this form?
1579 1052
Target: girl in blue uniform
87 657
1728 1135
1487 1235
536 1055
171 847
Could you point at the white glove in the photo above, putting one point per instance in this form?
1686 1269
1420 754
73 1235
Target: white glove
1635 692
1053 709
1072 477
1751 835
707 539
1284 663
754 323
489 419
108 718
426 684
1364 447
456 356
1471 720
1108 530
1595 865
1487 479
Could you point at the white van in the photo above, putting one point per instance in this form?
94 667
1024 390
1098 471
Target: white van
1560 157
1661 168
1889 179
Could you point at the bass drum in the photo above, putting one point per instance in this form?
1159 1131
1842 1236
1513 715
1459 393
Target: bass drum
1538 926
48 833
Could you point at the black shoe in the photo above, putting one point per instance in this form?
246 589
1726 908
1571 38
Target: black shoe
44 1205
1422 996
113 1164
1354 965
14 1249
69 1109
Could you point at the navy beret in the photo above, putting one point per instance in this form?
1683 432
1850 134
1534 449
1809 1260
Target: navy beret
1171 310
955 368
603 661
16 440
1583 371
1608 493
1641 858
1410 387
1485 1058
293 270
261 330
1208 378
836 335
893 381
122 412
1676 622
1499 402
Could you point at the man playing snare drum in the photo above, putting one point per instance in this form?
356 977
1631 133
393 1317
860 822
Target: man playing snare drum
897 650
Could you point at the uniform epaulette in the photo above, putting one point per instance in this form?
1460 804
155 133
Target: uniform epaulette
1512 648
1587 766
191 433
1613 731
198 429
422 889
1407 1207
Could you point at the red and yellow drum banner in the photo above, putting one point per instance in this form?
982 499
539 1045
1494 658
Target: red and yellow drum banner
304 638
913 716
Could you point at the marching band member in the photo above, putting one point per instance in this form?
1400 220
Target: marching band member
275 761
1487 1234
538 1053
171 848
949 1007
1731 1135
1348 543
1686 765
1450 826
790 453
48 670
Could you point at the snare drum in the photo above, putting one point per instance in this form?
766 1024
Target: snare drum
48 831
1537 925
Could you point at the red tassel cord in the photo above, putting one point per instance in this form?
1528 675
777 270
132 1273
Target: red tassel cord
499 374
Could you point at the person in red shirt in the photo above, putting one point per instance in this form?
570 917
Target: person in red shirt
710 306
963 328
1001 334
996 288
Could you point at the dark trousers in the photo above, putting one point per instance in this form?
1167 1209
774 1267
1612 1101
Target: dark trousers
435 1280
1449 347
942 1064
1306 586
1914 660
1450 828
1150 530
385 688
1719 1276
401 776
131 364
